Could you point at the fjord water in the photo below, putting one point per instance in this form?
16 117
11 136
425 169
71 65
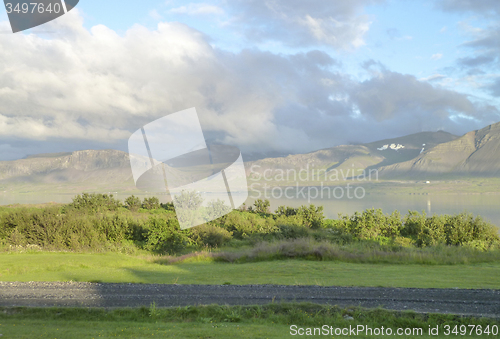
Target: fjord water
485 205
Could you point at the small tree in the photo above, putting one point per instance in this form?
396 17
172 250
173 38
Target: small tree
261 206
216 209
312 215
151 203
188 208
95 202
133 203
286 211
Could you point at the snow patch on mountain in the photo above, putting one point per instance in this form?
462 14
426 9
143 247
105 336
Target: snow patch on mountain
395 147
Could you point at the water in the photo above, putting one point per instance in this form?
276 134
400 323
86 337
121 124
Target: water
486 205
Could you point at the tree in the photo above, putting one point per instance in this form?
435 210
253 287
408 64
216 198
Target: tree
188 208
133 203
151 203
262 206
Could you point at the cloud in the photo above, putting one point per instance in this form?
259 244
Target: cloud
394 34
84 88
485 45
155 15
99 86
339 24
198 9
477 6
433 77
391 95
436 56
494 88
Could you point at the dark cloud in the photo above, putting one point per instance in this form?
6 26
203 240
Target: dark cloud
390 94
478 6
476 61
494 88
338 23
485 45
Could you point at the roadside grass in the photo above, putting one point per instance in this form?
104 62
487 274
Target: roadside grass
368 251
214 321
122 268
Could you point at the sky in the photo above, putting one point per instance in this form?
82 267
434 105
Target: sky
284 76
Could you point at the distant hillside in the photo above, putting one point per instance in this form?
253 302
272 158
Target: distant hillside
476 153
351 159
88 168
416 156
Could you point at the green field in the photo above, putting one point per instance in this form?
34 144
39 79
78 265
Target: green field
213 321
115 267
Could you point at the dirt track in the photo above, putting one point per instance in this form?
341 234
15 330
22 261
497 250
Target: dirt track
43 294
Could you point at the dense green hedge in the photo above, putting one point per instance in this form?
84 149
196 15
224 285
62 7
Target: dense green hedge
99 221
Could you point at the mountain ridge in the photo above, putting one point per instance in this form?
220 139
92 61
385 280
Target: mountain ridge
414 156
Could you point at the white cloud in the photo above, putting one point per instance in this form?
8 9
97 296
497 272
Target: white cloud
155 15
433 77
436 56
198 9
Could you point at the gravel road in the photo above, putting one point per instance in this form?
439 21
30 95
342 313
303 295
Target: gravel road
43 294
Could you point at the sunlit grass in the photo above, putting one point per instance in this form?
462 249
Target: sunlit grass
214 321
121 268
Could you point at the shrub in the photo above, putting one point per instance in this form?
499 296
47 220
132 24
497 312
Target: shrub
261 206
216 209
94 202
286 211
290 227
244 224
312 216
151 203
188 208
169 206
210 235
133 203
165 235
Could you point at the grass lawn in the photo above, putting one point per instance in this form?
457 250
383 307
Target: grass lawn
114 267
268 321
83 329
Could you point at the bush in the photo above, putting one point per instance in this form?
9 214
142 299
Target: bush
216 209
133 203
210 235
151 203
165 235
312 216
95 202
261 206
460 229
290 227
372 223
244 224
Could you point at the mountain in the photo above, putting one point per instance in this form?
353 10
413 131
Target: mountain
421 155
351 159
87 170
476 153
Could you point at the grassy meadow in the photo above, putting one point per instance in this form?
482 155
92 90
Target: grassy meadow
213 321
